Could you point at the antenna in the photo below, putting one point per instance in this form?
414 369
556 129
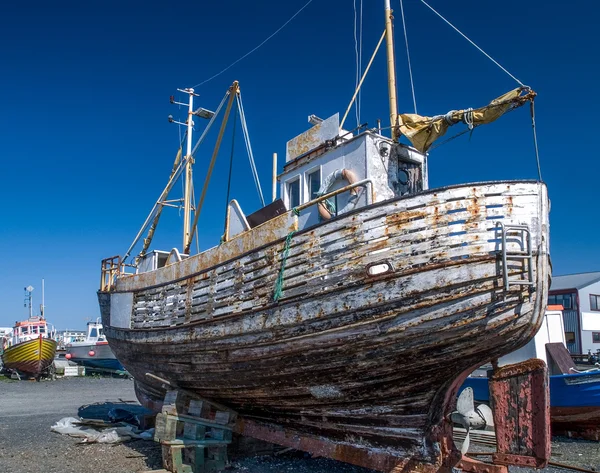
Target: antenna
28 297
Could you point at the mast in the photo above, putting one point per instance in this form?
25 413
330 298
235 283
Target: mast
187 197
391 66
274 176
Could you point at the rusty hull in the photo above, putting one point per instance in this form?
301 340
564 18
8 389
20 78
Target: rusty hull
520 399
361 363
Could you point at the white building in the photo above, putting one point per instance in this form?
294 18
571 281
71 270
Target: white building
579 294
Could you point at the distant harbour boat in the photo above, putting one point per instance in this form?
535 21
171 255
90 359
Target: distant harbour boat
69 336
94 351
31 347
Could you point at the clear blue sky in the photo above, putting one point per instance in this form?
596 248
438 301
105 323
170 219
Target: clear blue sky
86 147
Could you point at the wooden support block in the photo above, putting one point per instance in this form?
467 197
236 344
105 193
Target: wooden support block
201 421
197 408
193 431
199 460
222 417
192 457
220 434
173 459
167 458
166 427
175 403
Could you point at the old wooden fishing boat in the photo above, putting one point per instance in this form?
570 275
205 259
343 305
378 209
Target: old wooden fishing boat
31 347
342 318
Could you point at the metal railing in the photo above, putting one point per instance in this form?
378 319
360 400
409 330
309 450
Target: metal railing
341 190
525 255
111 268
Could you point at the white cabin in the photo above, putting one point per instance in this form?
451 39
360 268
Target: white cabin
353 170
34 327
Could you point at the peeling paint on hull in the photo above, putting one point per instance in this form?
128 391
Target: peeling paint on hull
345 356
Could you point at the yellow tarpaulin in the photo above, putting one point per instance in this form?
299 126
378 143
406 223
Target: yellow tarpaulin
423 131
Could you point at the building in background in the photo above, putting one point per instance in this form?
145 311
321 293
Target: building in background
579 294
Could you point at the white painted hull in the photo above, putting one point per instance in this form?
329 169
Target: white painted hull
343 355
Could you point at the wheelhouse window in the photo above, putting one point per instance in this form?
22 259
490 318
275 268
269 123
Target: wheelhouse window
293 193
570 337
93 333
34 329
313 181
596 337
594 302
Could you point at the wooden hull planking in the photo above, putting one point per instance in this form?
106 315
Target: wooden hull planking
350 357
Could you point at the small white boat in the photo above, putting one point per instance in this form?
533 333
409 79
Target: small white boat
93 352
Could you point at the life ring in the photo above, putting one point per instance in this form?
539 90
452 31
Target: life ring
328 183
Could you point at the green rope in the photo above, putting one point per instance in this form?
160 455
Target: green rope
279 284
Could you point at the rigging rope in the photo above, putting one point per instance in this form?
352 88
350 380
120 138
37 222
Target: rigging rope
412 84
360 37
279 283
194 209
230 164
231 92
464 36
257 47
210 123
535 143
361 81
358 55
182 181
249 147
357 75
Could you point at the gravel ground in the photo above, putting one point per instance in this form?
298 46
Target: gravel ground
28 409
